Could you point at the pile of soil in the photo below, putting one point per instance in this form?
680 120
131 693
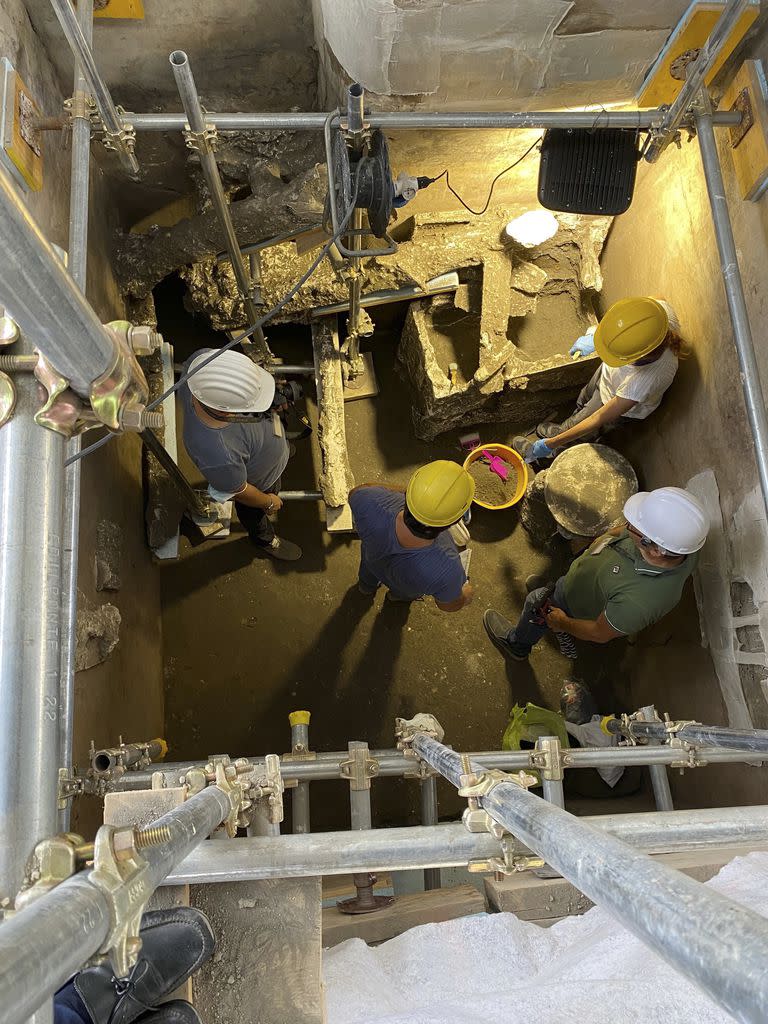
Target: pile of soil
489 487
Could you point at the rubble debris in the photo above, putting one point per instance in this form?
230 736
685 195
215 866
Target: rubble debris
108 556
97 633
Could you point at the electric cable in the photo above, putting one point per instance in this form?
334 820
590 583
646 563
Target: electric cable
240 337
479 213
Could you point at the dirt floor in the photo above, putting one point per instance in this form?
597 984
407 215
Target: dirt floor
247 639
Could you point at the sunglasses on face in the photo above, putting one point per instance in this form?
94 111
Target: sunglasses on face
645 542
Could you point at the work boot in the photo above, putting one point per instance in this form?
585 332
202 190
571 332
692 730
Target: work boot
175 944
499 629
548 429
177 1011
521 445
577 705
281 549
535 582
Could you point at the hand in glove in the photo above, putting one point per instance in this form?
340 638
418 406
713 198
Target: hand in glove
583 346
538 450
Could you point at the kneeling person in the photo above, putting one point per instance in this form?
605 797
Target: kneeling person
621 584
406 544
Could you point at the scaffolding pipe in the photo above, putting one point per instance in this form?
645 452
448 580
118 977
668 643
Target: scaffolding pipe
429 816
199 124
114 125
698 735
734 290
450 845
392 763
662 794
382 298
716 943
299 722
31 526
418 120
77 265
42 298
696 72
47 942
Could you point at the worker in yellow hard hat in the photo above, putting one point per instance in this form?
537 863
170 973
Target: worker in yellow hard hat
406 543
639 343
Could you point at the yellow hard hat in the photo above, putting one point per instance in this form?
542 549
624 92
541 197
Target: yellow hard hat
630 330
440 493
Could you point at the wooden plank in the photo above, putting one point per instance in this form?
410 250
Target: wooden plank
336 477
548 899
691 33
406 912
267 964
750 156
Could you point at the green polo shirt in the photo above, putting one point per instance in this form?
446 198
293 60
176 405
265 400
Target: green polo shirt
615 578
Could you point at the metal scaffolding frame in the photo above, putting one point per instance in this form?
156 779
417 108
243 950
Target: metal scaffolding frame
719 945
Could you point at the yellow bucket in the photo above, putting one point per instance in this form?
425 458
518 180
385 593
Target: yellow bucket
508 455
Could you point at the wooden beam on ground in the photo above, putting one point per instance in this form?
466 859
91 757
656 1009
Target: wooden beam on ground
406 912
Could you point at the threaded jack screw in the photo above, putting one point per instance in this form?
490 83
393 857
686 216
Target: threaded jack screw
152 836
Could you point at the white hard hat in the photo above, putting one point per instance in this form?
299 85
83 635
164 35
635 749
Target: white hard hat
670 517
231 383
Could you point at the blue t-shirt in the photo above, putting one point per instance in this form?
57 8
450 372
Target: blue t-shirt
435 570
236 455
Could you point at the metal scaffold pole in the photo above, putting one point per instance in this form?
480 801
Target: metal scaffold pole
200 137
77 265
50 939
299 722
715 942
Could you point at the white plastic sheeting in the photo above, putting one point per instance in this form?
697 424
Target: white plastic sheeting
464 52
494 967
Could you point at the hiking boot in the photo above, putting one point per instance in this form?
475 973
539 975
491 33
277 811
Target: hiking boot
577 705
175 944
498 629
281 549
547 429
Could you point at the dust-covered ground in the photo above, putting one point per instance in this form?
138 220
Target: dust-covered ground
247 639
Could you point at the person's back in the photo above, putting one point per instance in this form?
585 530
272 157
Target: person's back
409 573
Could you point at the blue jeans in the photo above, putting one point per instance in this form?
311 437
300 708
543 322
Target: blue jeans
528 631
68 1007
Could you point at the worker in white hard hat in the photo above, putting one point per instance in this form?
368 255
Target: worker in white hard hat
236 439
626 580
638 341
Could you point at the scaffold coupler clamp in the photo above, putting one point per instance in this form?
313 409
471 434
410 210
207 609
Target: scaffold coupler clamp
269 787
405 730
691 754
549 758
474 786
120 871
52 861
125 138
205 141
235 779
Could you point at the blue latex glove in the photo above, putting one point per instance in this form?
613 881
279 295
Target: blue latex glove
538 450
583 346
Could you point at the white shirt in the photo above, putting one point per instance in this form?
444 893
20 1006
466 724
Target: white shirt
642 384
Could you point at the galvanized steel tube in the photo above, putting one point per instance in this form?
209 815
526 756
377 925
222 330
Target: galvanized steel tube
392 764
662 794
696 72
300 794
31 527
77 265
197 120
417 121
429 816
754 398
43 945
451 845
715 942
114 124
722 737
49 307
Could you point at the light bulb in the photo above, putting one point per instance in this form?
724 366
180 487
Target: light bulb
532 228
